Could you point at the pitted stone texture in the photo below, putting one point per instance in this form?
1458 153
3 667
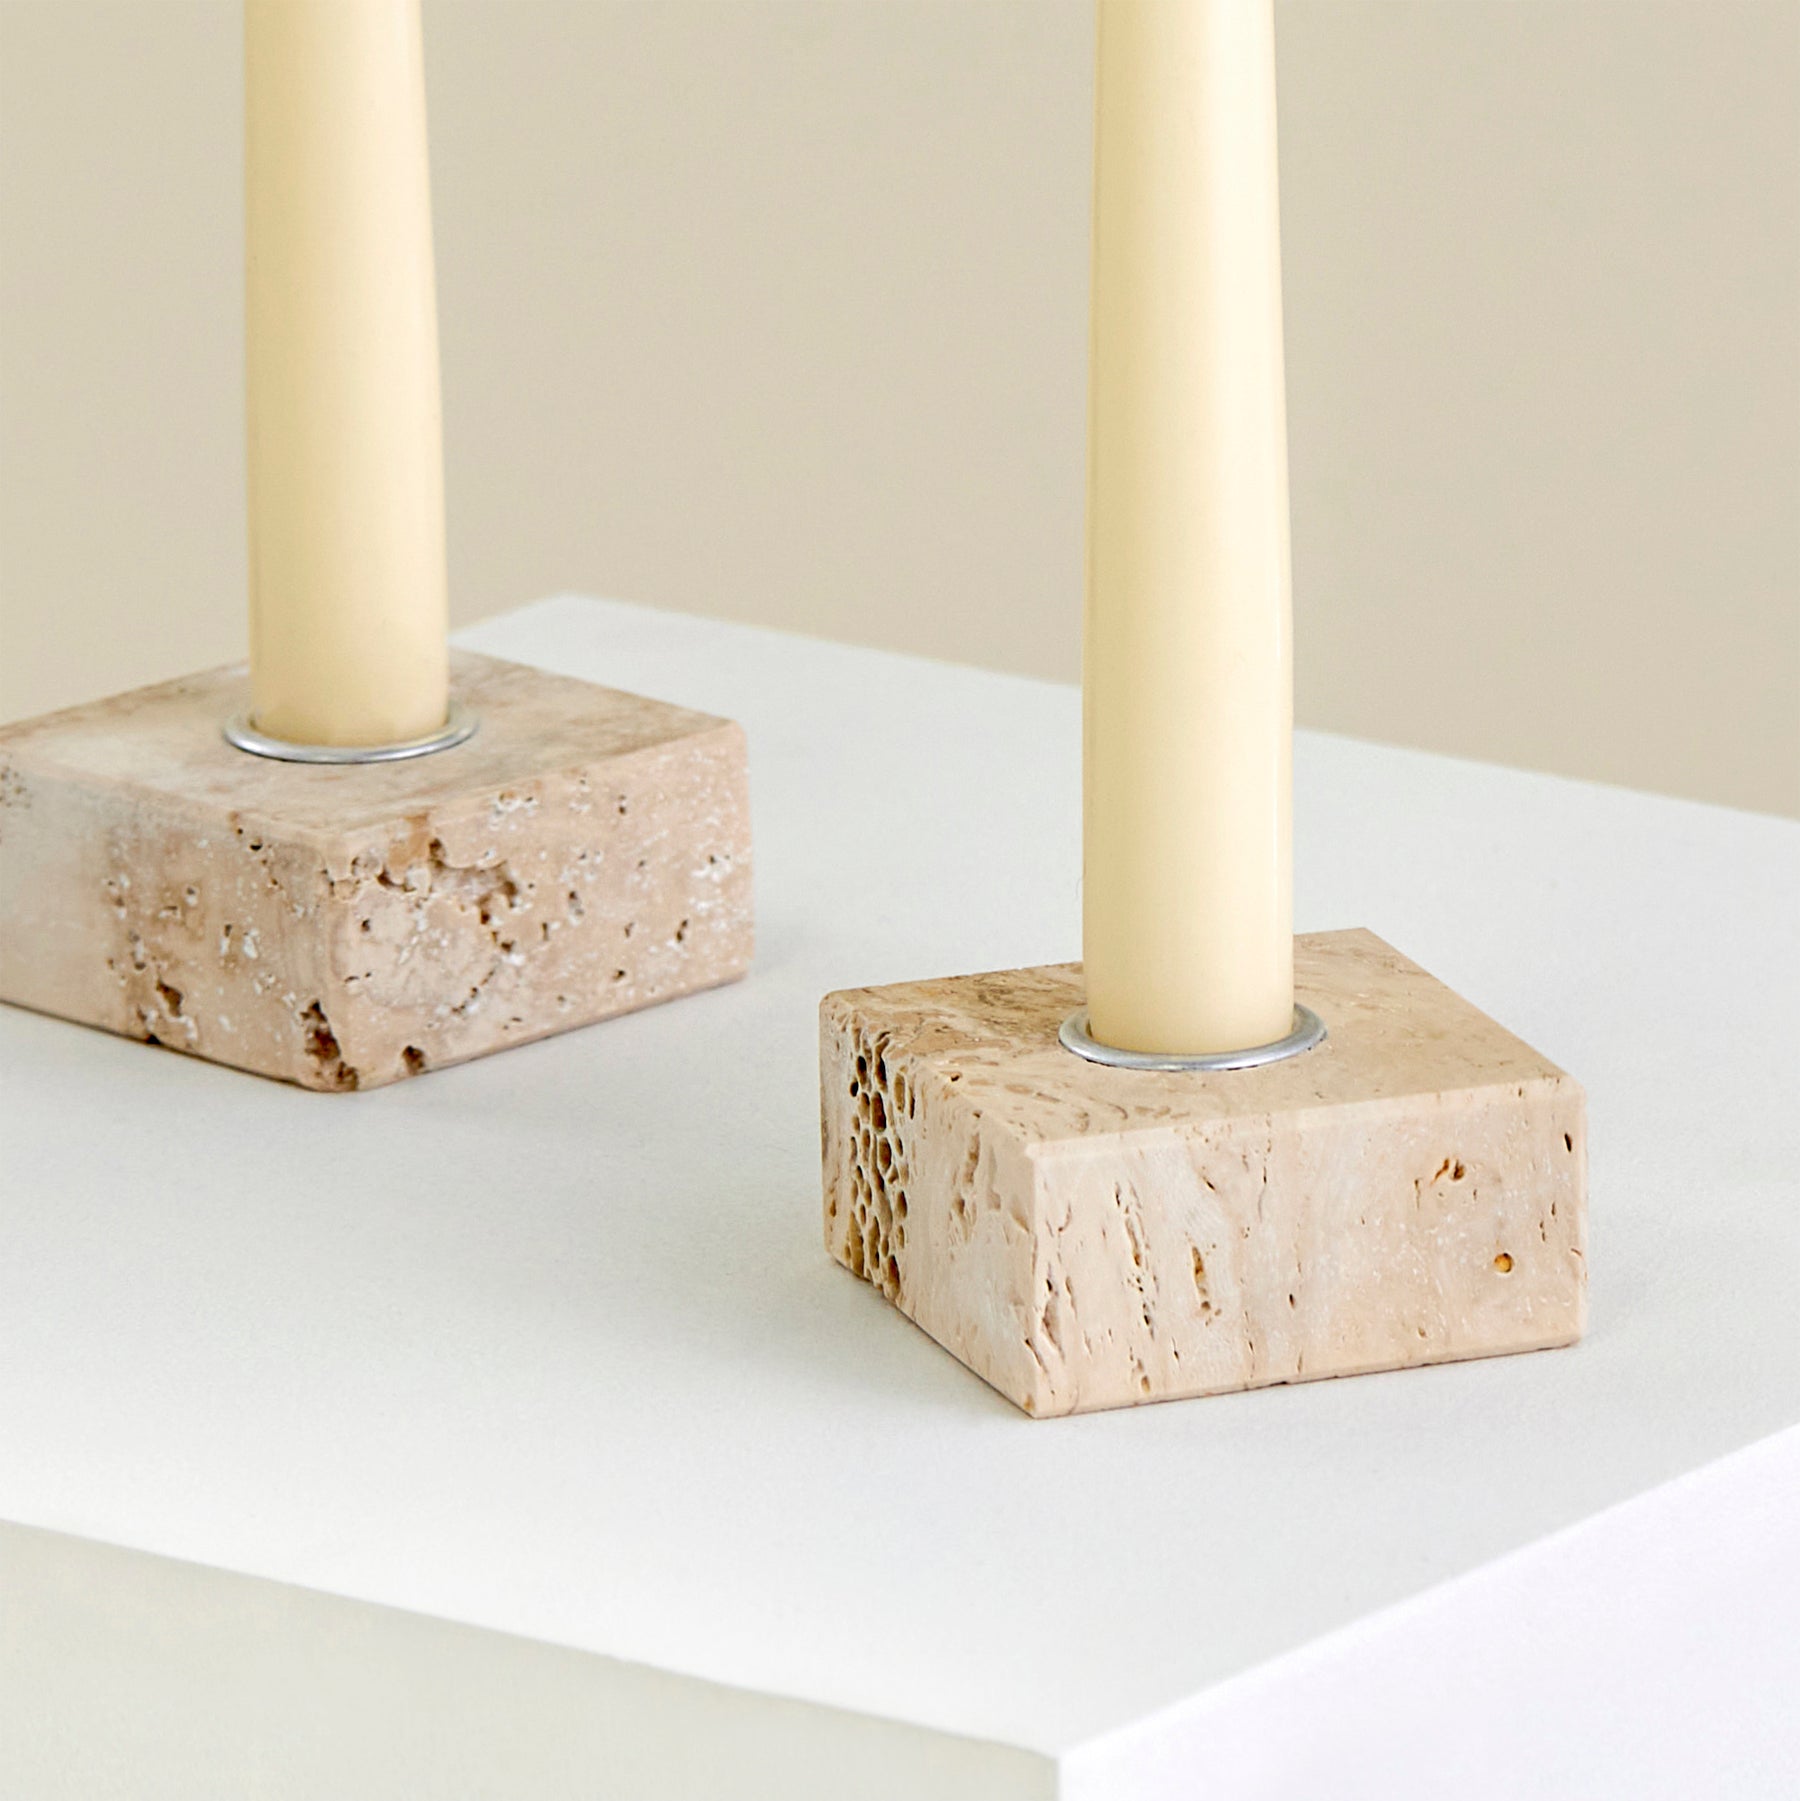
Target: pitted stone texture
1413 1191
585 854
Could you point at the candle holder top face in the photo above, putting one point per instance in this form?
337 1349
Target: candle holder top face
1410 1191
345 925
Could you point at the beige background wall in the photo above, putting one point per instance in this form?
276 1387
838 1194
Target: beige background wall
776 309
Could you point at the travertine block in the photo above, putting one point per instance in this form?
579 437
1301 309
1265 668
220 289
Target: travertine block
1411 1191
586 853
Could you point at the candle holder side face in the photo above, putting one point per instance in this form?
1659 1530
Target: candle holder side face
344 926
1412 1191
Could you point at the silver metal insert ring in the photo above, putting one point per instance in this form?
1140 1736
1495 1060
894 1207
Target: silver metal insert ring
1309 1029
459 726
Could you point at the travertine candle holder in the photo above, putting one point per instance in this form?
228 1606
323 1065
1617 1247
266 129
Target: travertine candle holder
1412 1190
585 853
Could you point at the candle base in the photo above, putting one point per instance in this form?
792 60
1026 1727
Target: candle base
341 926
1411 1191
1308 1030
459 726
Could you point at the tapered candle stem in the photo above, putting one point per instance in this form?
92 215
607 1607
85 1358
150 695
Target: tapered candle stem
347 582
1188 671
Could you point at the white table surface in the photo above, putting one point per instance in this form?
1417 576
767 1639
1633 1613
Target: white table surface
548 1343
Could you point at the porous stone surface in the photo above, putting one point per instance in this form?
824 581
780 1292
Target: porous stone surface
1412 1191
586 853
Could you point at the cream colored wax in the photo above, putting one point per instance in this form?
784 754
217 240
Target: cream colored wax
347 588
1188 690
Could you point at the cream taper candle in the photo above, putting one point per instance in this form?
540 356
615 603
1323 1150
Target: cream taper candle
347 584
1188 680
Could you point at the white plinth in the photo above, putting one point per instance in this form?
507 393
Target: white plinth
596 1382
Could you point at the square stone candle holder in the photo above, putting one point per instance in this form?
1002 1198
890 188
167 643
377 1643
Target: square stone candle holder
1412 1190
585 853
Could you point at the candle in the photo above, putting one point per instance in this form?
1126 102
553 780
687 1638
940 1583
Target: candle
1188 681
346 486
